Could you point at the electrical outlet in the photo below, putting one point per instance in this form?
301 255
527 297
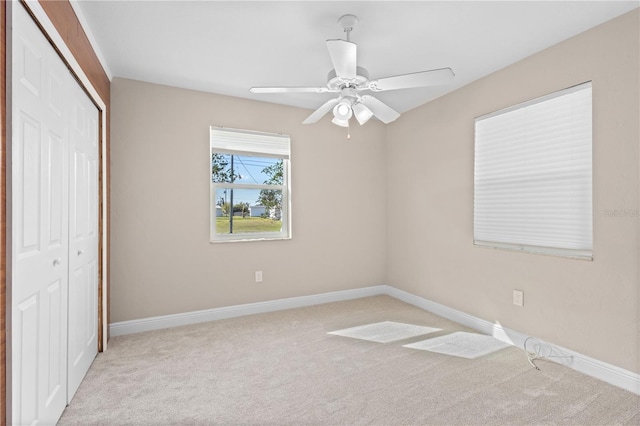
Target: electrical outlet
258 276
518 298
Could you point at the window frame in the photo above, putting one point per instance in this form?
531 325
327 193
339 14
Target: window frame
579 244
270 149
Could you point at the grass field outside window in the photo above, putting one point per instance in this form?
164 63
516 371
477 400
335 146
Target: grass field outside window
245 225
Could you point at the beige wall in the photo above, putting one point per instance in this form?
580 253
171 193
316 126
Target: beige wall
587 306
162 261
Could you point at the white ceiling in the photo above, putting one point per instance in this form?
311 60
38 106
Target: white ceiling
227 47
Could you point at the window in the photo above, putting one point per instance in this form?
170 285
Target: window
532 177
249 185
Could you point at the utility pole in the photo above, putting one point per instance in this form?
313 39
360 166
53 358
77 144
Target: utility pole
231 207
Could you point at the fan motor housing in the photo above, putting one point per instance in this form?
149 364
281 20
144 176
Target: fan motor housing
336 83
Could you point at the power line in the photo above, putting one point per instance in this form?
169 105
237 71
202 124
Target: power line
245 167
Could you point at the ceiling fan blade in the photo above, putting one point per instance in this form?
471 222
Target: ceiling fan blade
416 79
289 90
381 110
362 113
343 56
320 112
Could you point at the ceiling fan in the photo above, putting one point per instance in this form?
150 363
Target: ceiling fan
350 80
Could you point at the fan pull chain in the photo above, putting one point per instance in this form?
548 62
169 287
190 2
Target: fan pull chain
348 130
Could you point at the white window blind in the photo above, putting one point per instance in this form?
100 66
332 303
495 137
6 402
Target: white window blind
533 176
232 141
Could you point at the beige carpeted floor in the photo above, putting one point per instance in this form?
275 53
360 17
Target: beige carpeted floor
283 368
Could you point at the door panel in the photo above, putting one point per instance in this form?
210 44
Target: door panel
83 243
29 151
53 327
39 232
50 125
56 194
25 363
30 67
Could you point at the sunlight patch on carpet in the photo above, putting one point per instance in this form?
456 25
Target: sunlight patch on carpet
384 332
461 344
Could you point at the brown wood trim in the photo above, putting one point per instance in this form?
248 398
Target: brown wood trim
66 22
3 216
100 206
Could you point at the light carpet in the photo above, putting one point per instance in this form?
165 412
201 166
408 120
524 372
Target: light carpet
462 344
384 332
282 368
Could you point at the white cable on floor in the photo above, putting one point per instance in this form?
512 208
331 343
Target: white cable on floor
536 351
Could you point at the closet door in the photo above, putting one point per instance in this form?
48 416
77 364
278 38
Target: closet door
39 203
83 237
54 228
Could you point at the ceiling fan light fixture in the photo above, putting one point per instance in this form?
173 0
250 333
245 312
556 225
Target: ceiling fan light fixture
362 113
342 111
340 122
349 80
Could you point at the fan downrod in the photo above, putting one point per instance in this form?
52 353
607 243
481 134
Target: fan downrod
348 23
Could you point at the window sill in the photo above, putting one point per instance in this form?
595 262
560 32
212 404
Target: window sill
248 239
546 251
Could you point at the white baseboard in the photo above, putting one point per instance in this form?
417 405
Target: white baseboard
592 367
175 320
611 374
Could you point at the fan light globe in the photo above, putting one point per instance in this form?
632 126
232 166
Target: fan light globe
342 111
339 122
362 113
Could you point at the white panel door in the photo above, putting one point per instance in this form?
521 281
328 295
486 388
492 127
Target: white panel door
40 226
54 228
83 237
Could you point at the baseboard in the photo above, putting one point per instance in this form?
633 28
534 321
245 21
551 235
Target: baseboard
592 367
609 373
175 320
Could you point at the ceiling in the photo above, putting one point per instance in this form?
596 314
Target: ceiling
226 47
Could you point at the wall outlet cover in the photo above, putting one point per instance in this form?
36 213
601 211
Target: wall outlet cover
518 297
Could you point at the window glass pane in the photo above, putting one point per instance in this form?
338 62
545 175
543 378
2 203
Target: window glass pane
254 210
245 169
